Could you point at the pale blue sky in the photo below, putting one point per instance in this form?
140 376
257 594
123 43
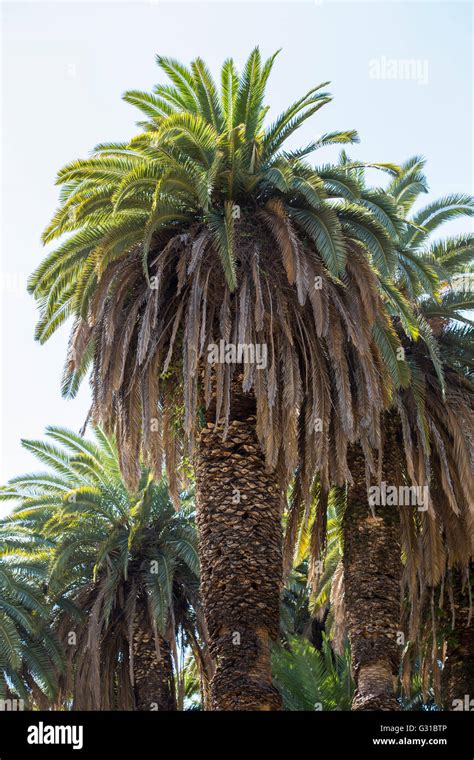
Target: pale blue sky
65 66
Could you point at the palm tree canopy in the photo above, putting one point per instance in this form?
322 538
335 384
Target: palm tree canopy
204 228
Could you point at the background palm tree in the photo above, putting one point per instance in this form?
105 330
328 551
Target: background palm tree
173 249
428 408
422 269
122 571
31 658
441 404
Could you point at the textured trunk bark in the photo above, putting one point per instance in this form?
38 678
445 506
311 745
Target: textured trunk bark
153 679
372 575
239 523
457 679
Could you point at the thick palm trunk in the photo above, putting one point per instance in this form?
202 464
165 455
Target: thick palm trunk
457 680
372 575
153 677
239 522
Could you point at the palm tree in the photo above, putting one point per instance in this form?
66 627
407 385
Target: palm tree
373 541
447 555
440 541
423 430
30 655
444 402
200 233
123 571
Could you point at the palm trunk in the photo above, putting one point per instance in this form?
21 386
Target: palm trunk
239 523
153 677
205 690
457 679
372 576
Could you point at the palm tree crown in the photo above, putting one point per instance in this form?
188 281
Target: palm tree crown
204 228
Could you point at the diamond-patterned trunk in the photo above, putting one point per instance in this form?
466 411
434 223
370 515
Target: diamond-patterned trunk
152 673
372 577
239 522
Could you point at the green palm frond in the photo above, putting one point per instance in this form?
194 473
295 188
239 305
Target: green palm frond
309 679
437 213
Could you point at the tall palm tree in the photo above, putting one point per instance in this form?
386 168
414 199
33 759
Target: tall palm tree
443 400
447 557
426 413
373 541
203 230
441 546
122 571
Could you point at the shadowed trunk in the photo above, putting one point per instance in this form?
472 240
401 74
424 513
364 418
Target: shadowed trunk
372 575
318 629
239 522
205 689
457 679
153 677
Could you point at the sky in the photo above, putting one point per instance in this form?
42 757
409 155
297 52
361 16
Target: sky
65 66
